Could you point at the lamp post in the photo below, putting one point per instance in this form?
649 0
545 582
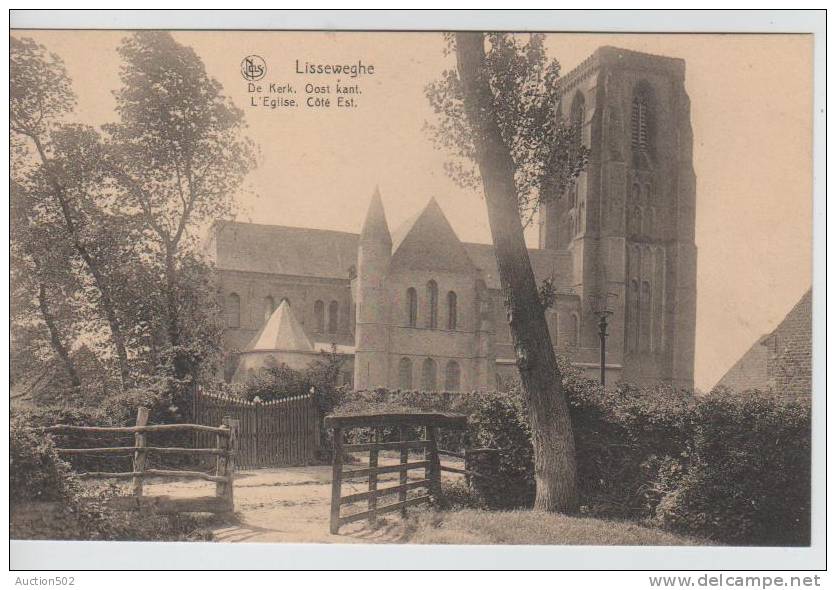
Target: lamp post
601 307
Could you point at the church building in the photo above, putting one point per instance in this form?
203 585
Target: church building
417 308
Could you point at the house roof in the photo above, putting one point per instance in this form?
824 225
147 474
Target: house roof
281 332
781 359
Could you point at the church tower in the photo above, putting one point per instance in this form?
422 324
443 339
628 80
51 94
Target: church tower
628 223
371 358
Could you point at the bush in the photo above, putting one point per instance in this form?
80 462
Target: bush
36 472
748 478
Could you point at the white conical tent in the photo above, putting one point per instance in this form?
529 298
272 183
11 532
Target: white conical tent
281 332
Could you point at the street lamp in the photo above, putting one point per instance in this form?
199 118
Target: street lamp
602 308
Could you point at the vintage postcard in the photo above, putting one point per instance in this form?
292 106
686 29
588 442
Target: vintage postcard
412 287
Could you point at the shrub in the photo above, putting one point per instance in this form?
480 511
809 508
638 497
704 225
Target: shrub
36 472
748 478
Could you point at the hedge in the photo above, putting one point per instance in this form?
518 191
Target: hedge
730 467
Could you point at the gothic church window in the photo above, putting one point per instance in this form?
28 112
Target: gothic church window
319 317
333 317
578 117
453 376
405 373
428 375
432 300
269 307
452 312
645 343
233 310
640 120
575 330
411 307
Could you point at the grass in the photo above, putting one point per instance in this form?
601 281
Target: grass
524 527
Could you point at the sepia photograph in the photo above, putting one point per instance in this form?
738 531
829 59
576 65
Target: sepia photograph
428 287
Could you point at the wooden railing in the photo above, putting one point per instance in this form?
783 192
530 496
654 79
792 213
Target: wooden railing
405 423
224 449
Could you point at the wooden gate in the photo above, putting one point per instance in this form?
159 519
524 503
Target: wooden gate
271 434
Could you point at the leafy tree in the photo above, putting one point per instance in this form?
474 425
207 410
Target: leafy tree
179 156
497 115
59 163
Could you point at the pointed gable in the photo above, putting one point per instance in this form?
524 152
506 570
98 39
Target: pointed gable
281 332
428 242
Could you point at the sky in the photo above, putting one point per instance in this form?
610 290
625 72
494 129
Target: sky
751 108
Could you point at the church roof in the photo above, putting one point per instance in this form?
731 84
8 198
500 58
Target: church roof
281 332
278 249
297 251
428 242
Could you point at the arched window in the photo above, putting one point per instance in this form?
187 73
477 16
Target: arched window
319 317
452 312
269 307
428 373
405 373
578 117
645 317
432 300
333 317
640 120
233 310
636 193
411 307
633 317
452 377
575 330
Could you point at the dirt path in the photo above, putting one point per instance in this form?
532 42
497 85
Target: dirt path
290 504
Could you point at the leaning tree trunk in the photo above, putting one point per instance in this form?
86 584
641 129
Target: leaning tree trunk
106 301
55 337
554 446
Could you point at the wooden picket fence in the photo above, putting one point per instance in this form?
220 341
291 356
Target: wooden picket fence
271 434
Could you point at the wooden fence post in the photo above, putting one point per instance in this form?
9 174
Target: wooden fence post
232 448
434 470
402 431
336 480
373 454
222 444
139 453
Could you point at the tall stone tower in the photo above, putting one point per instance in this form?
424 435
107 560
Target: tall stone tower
371 360
628 222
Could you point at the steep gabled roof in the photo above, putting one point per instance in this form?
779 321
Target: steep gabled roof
281 332
428 242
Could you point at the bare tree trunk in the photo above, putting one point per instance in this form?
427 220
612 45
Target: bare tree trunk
55 336
107 303
551 427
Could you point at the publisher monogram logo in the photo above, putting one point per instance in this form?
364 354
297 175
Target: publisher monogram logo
253 68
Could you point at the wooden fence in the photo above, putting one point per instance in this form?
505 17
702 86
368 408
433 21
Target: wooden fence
430 463
271 434
223 448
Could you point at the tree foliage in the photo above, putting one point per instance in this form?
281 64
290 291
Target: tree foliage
105 221
523 80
